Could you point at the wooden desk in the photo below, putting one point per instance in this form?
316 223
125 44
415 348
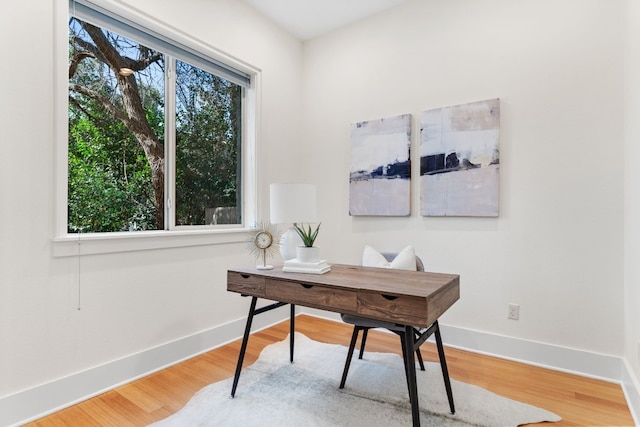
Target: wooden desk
408 298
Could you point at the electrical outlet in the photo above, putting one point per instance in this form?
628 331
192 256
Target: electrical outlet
513 311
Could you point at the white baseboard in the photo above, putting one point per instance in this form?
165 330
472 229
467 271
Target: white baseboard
565 359
28 405
631 388
39 401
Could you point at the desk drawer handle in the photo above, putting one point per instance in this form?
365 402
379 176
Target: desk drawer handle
245 276
306 286
389 297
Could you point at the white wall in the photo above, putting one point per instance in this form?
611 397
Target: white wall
632 194
134 301
556 248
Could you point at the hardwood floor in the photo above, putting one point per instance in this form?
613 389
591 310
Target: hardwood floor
579 401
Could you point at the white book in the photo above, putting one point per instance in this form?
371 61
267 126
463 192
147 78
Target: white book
319 270
294 263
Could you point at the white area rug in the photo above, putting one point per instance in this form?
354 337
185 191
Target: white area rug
273 392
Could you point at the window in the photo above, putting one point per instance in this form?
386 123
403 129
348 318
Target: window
156 130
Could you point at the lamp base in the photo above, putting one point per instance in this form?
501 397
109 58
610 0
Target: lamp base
289 243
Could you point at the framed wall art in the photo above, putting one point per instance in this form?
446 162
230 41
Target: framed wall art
460 160
380 169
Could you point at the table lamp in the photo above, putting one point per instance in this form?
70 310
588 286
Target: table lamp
292 203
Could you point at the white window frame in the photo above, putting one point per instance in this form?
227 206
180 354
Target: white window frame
73 244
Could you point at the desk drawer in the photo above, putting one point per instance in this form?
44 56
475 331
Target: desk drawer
246 284
400 309
315 296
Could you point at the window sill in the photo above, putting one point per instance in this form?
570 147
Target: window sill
98 243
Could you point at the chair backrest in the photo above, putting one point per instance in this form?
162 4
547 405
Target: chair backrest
390 256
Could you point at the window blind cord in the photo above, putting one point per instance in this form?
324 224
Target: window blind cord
78 281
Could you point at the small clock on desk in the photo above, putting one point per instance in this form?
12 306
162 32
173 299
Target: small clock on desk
263 239
263 244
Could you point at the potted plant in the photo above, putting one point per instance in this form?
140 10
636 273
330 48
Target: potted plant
307 252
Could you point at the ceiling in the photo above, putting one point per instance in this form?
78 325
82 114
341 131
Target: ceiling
306 19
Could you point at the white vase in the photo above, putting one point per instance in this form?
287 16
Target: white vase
289 243
308 255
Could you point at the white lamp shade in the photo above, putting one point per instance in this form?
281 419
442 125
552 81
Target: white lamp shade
292 202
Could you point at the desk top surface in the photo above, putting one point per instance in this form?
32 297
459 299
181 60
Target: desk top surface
384 280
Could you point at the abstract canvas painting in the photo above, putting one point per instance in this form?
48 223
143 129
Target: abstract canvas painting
380 174
460 160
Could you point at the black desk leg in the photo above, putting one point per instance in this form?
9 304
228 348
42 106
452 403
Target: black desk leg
410 366
445 371
292 330
243 348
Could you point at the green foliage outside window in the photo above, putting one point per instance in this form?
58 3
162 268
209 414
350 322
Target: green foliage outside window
116 153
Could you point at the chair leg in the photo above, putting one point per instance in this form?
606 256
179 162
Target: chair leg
418 353
420 361
365 331
352 345
443 365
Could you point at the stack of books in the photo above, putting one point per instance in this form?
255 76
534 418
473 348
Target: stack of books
294 266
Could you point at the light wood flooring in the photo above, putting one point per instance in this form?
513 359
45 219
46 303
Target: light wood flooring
579 401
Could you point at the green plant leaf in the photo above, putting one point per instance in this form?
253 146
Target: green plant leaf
308 235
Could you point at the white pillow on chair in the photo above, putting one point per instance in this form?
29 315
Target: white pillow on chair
405 260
